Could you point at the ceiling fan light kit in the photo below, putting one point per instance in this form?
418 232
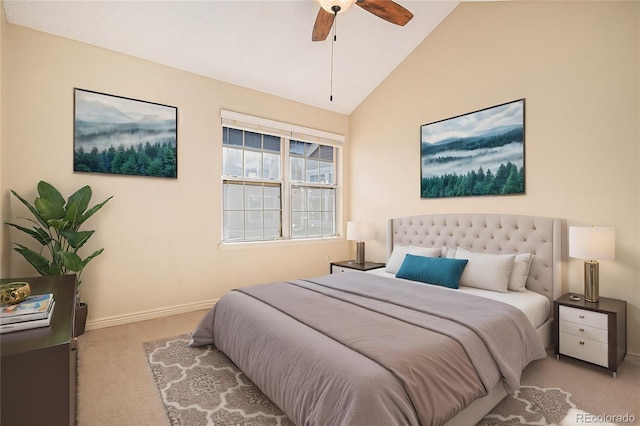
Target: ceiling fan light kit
336 6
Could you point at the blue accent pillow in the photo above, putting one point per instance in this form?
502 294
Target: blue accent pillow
432 270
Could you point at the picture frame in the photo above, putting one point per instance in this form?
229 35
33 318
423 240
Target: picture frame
118 135
474 154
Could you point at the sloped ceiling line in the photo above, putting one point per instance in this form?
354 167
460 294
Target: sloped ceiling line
262 45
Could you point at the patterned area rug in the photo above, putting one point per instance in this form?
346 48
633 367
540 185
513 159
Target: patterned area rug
201 386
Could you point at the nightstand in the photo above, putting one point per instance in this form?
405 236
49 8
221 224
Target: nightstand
591 332
346 265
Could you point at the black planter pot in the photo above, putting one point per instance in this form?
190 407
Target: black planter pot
81 319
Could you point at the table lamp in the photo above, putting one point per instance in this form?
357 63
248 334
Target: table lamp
592 243
360 232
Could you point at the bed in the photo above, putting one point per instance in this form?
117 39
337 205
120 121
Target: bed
374 349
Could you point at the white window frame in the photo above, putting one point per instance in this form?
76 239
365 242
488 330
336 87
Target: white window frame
288 131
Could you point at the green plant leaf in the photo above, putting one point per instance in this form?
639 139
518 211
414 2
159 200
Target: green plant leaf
77 239
72 216
71 261
31 208
76 206
94 209
58 224
88 259
81 199
52 270
48 210
38 261
47 192
37 233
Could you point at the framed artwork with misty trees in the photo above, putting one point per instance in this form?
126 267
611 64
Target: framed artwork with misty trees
477 153
123 136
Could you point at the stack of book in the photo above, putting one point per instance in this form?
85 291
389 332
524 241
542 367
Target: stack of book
34 312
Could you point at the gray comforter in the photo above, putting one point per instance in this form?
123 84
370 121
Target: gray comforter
382 353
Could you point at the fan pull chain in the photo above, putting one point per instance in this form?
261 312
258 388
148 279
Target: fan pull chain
333 42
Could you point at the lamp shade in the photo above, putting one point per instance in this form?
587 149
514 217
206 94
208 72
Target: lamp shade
592 242
360 231
341 4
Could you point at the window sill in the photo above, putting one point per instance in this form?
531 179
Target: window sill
247 245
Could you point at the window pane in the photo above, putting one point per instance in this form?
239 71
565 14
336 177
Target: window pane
298 199
328 223
252 164
313 151
253 225
328 200
231 162
271 143
233 199
298 225
272 198
253 140
326 153
271 166
253 197
298 148
235 137
315 224
312 171
233 226
297 169
314 196
326 172
272 224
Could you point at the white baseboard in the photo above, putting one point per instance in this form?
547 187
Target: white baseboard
147 315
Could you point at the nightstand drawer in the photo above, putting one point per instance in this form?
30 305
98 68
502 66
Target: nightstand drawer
584 349
584 331
335 269
350 265
584 317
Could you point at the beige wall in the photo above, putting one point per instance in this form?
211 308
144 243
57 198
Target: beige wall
160 236
577 65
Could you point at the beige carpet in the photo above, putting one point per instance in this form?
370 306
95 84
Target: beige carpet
116 384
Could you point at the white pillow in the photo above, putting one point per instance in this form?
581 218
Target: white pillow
485 270
520 272
399 252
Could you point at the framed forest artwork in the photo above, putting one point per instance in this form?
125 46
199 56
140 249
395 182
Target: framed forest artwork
477 153
118 135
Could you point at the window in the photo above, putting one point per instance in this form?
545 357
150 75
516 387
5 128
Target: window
278 182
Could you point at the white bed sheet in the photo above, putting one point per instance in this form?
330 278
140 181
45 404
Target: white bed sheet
535 306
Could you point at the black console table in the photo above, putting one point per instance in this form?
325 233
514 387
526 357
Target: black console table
38 381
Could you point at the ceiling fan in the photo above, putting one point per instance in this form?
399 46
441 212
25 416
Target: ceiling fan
386 9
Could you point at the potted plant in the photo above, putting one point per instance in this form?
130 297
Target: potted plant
56 227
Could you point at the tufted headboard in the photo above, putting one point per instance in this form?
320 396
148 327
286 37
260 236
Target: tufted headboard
490 233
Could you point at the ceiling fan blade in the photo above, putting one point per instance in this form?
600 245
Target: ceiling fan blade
388 10
322 27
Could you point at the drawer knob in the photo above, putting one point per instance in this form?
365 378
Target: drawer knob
581 316
581 342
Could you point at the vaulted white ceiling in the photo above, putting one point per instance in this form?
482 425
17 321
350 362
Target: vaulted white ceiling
263 45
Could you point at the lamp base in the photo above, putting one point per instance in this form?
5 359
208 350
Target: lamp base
360 252
591 281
